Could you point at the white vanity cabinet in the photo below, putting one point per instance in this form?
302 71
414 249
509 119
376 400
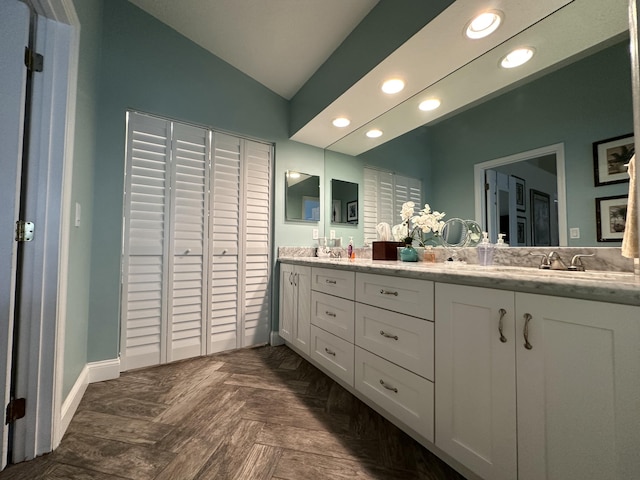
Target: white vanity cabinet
295 305
533 387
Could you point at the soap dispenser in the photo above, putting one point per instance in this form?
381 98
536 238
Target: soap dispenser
485 251
501 242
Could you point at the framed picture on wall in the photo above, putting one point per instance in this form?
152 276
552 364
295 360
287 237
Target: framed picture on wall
610 158
352 211
540 218
521 202
521 231
611 217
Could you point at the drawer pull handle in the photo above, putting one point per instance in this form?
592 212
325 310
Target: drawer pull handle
330 314
388 335
525 331
502 312
330 352
388 292
332 282
388 387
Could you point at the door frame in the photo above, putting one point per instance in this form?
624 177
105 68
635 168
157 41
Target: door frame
556 149
44 294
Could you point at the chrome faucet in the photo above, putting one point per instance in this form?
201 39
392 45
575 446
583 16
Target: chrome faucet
576 263
544 261
556 262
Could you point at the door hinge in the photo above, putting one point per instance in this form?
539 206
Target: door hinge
16 410
24 231
34 61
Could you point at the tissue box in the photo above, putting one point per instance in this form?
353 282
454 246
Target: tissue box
385 250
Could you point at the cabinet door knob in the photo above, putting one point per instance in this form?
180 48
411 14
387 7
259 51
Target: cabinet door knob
525 331
502 312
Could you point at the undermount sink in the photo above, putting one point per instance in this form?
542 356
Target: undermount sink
585 275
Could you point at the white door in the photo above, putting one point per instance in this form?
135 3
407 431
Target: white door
257 243
578 389
14 32
225 242
475 379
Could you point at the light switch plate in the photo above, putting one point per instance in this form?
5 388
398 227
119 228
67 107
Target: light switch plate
332 234
315 234
574 232
78 214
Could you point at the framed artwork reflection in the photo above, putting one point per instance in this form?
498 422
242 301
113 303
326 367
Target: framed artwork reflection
610 158
352 211
611 217
521 225
540 218
521 204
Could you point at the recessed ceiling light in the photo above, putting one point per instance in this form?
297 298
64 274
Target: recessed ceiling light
429 105
393 85
375 133
341 122
484 24
517 57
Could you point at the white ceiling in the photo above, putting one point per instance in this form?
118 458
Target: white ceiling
279 43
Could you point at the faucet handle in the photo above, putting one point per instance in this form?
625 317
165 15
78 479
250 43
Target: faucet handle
544 262
576 263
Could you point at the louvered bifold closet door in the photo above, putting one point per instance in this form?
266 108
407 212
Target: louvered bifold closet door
145 221
370 204
225 240
187 294
257 230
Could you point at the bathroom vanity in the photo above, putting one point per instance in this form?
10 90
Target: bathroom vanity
504 372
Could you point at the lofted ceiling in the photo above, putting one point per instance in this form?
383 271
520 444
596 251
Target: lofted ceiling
279 43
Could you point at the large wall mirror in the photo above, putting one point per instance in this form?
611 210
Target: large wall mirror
344 202
302 198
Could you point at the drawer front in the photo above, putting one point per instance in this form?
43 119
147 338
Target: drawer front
403 295
340 283
403 394
333 314
406 341
333 353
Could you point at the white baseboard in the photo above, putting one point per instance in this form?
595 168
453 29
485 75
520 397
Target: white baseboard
71 403
91 373
104 370
275 339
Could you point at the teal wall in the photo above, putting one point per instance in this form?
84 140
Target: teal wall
147 66
585 102
79 266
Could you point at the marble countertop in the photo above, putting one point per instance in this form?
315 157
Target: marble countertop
613 287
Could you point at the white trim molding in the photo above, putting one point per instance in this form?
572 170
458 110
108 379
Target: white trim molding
91 373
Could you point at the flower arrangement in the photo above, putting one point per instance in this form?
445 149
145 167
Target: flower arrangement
424 222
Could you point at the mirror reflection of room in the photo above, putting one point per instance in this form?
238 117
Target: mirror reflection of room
302 201
344 202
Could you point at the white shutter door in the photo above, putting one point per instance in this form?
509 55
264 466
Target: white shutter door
187 318
225 238
257 292
415 191
144 273
370 205
386 208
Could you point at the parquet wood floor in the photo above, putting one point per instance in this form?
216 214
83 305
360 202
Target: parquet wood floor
262 413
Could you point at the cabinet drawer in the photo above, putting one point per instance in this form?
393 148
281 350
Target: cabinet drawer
334 282
333 314
406 341
403 394
333 353
404 295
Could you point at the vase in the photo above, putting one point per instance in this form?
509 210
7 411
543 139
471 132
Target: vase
408 254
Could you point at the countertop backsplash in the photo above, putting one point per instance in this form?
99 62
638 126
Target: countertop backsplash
605 259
